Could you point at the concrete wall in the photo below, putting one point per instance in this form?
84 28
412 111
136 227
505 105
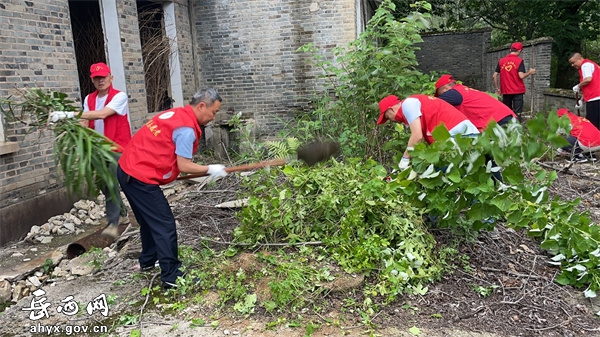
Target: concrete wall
248 52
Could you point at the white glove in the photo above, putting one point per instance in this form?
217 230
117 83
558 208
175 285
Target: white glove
404 162
216 171
55 116
576 88
579 104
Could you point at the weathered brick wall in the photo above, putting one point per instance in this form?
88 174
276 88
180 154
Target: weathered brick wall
132 60
36 50
536 54
248 52
460 54
186 48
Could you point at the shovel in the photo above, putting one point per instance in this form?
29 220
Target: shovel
577 102
311 154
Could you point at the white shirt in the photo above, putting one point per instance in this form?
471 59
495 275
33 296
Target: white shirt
411 108
118 104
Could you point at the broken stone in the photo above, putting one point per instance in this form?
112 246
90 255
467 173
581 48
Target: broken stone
34 281
5 291
69 226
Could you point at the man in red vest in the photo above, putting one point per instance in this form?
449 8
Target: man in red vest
584 137
155 156
479 107
589 85
107 112
423 114
511 69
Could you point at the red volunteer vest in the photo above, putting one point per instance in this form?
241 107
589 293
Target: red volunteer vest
150 156
116 127
592 90
434 112
583 129
481 108
510 82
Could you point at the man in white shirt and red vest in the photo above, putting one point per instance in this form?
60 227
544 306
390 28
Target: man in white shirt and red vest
157 153
589 85
511 69
106 111
422 114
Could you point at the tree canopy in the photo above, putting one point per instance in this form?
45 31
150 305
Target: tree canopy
570 23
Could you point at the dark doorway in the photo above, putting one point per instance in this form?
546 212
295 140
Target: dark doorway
156 50
88 39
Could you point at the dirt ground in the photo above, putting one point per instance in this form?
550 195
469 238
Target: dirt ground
523 299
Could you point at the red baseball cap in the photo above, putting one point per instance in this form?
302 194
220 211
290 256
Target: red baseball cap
516 46
444 79
384 105
99 70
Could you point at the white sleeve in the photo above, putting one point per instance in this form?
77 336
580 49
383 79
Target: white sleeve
119 104
86 107
411 108
587 69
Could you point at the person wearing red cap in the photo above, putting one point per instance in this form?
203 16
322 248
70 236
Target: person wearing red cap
106 111
155 156
479 107
511 69
583 138
422 114
589 85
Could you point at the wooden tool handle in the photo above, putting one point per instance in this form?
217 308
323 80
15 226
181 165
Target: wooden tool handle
577 102
246 167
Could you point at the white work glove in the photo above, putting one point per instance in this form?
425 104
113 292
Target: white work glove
576 88
579 104
216 171
55 116
404 163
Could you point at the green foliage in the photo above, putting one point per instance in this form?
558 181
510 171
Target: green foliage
368 228
82 154
380 62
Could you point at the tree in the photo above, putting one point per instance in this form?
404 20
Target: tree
568 22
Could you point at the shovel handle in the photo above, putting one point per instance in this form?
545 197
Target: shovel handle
245 167
577 102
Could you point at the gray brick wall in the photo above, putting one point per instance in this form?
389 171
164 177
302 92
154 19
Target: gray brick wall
248 52
36 50
187 51
536 54
460 54
132 60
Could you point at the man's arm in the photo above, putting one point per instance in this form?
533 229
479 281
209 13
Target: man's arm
416 136
495 76
522 73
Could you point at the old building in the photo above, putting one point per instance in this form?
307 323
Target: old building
160 53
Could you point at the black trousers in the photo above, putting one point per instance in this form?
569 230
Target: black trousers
515 102
157 225
592 112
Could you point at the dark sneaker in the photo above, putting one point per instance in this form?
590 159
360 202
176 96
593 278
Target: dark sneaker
170 285
578 158
150 267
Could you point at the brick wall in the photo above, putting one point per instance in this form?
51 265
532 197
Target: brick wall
248 52
536 54
187 50
460 54
132 60
36 49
